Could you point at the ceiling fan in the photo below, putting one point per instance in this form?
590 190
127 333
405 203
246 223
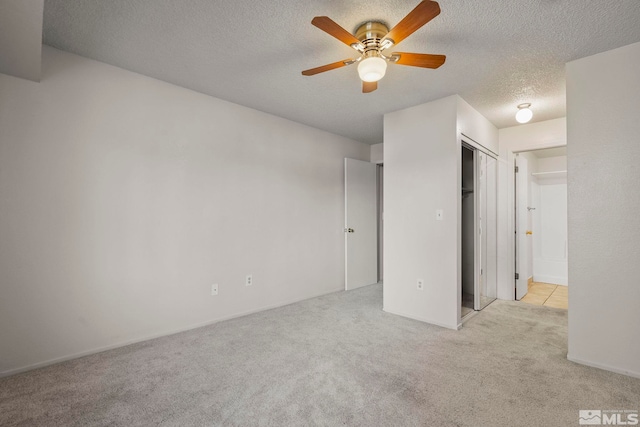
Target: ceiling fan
372 38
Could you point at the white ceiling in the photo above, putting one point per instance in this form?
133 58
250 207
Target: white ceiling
499 53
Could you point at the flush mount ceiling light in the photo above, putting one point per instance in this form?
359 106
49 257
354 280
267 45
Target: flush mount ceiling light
524 113
372 69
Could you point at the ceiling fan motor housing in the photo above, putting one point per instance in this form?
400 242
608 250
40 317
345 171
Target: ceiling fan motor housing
370 34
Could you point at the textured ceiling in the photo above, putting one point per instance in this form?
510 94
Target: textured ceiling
499 53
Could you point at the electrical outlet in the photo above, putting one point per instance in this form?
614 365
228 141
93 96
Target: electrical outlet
214 289
248 280
420 284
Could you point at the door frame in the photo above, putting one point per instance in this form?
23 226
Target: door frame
380 218
368 276
464 145
520 228
477 149
511 200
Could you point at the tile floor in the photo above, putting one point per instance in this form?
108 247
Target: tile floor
547 294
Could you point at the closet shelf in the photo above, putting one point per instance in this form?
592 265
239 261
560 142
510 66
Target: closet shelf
550 174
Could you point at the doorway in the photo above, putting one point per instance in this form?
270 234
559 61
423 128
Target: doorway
363 223
541 243
361 228
478 230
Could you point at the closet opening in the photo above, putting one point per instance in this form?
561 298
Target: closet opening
468 232
478 230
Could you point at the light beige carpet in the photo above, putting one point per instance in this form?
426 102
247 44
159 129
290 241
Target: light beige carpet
335 360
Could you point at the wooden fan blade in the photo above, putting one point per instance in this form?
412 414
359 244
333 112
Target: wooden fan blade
368 87
330 27
327 67
423 60
423 13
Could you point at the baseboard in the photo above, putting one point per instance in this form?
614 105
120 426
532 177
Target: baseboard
604 367
554 280
422 319
468 316
160 335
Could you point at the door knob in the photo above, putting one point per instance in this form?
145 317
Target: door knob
529 232
349 230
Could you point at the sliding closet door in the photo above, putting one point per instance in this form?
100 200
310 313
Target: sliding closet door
490 292
481 250
486 258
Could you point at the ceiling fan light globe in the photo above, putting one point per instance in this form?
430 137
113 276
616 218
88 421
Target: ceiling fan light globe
372 69
524 115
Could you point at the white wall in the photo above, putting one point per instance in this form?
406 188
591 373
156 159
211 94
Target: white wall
422 168
422 155
552 164
550 241
377 153
547 134
533 136
475 126
604 226
21 38
123 198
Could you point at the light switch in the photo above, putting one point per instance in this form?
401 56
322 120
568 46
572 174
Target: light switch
439 214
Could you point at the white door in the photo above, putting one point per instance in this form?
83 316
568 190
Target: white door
360 224
481 241
522 214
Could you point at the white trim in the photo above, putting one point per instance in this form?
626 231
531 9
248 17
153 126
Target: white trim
603 367
346 208
159 335
554 280
511 200
423 319
468 316
474 144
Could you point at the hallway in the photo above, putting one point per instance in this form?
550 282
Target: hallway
547 294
